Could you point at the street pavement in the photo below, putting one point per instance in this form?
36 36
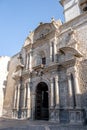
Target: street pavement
12 124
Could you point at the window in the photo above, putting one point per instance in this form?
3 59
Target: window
44 60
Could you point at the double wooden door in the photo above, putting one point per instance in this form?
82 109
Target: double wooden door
42 112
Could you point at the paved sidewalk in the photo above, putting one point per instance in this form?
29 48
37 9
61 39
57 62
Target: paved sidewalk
8 124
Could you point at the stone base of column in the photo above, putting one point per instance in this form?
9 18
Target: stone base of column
57 115
52 114
76 116
29 114
15 113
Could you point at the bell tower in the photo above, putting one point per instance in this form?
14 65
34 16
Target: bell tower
73 8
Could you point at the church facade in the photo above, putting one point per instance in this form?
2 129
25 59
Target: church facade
47 79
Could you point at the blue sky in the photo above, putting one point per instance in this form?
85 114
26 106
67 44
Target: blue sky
19 17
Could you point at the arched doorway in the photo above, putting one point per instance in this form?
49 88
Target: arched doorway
42 105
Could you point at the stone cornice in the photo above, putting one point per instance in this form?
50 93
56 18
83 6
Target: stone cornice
46 69
27 47
68 63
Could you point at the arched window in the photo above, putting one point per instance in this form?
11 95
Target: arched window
73 90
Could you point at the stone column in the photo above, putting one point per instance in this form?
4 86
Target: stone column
50 52
15 114
52 103
55 53
74 72
77 89
15 97
70 90
28 101
33 105
57 99
24 96
27 61
52 93
30 63
57 91
18 97
32 102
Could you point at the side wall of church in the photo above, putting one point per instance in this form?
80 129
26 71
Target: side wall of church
3 79
8 101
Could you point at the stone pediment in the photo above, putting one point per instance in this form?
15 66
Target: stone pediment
42 30
43 27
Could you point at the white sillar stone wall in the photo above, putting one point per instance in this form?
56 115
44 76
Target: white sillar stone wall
3 75
71 9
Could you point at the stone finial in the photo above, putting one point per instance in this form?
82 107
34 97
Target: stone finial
30 32
52 19
40 23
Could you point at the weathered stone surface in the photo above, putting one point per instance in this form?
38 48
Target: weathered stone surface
37 125
47 80
4 63
9 95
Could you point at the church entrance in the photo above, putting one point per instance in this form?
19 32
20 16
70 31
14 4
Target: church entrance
42 105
